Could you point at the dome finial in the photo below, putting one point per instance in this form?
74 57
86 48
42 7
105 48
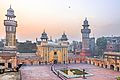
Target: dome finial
44 30
85 18
10 12
63 32
10 6
50 38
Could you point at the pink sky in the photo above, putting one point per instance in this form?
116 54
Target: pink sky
55 17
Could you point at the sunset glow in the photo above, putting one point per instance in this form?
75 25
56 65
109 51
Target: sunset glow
55 17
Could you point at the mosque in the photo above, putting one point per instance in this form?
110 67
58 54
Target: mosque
53 51
48 51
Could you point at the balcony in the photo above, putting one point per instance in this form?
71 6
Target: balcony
10 23
85 30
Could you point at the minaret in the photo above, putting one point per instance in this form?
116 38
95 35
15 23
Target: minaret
10 27
64 42
85 38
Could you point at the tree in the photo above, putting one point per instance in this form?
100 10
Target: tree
26 47
117 48
101 44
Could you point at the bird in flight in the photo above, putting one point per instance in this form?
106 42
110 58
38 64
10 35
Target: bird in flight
69 7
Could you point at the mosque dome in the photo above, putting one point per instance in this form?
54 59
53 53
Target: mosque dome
64 37
10 12
44 36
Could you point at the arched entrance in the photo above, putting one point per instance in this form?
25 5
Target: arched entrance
111 67
69 61
102 65
105 66
55 58
9 65
85 62
55 61
2 70
75 61
117 69
45 62
98 64
89 61
39 62
2 64
31 63
80 61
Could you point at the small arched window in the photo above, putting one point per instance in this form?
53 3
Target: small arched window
55 53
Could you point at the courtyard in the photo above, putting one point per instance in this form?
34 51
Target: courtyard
43 72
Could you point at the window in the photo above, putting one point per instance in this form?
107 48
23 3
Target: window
55 53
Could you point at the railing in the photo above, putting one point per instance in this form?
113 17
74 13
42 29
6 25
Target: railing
10 23
62 77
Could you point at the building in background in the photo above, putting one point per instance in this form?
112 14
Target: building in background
75 47
2 44
26 47
92 46
53 52
113 44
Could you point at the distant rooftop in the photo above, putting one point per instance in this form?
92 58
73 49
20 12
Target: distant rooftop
112 53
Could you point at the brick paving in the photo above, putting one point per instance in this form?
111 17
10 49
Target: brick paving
38 73
98 73
44 72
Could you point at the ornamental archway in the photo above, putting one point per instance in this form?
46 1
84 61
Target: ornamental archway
112 67
117 68
55 61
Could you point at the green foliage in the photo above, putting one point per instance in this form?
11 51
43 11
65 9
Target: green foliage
26 47
75 71
117 48
101 45
118 78
65 71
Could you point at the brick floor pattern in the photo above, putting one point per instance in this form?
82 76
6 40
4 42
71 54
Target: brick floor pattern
37 73
44 72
